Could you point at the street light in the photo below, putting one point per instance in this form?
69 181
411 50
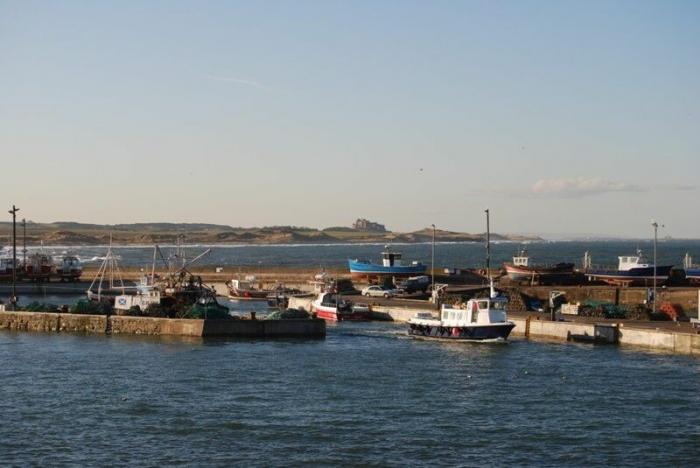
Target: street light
655 225
432 262
13 299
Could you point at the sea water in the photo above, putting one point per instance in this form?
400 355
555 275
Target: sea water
365 395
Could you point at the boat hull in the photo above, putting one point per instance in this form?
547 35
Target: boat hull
551 273
693 275
492 332
248 294
359 270
333 315
69 275
637 276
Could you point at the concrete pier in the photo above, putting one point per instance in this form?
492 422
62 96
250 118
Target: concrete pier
117 324
663 336
657 338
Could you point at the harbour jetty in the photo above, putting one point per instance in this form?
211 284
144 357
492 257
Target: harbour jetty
157 326
665 336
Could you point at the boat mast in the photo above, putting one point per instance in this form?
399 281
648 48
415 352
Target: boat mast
488 245
492 292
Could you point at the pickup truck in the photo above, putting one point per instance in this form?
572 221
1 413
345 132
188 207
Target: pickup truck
414 284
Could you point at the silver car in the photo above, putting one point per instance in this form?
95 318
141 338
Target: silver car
378 291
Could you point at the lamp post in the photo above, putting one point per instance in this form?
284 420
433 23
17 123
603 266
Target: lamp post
24 241
13 299
655 225
432 262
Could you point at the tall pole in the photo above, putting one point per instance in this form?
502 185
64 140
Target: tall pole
24 241
432 262
13 299
656 230
488 244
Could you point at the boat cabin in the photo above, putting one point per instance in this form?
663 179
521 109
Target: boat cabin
390 259
70 263
482 311
147 293
635 261
333 300
248 284
6 265
521 259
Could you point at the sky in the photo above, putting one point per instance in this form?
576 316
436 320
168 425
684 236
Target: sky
560 117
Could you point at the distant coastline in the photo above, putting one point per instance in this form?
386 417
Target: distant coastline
77 234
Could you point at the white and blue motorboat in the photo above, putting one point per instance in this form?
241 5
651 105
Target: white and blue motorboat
479 319
391 266
631 270
692 272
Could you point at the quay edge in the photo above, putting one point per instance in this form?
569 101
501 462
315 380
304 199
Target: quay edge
155 326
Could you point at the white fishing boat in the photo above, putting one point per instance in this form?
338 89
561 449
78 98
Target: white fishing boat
479 319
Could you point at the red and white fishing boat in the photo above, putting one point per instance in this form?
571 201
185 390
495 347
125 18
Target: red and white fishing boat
523 269
247 289
38 267
331 306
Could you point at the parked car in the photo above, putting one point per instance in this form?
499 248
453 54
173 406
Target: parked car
378 291
415 284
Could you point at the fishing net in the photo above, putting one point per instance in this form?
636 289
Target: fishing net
287 314
211 310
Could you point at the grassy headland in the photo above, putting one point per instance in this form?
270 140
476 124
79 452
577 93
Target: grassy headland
70 233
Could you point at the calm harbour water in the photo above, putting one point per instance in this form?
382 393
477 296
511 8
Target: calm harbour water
366 395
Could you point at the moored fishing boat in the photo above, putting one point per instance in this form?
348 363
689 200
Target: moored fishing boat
331 306
391 266
693 275
481 319
38 267
523 269
108 282
247 289
6 268
631 270
692 272
69 268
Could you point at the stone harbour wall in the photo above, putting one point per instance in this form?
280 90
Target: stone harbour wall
116 324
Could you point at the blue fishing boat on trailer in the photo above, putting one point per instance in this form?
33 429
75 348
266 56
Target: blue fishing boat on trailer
632 270
693 275
391 266
692 272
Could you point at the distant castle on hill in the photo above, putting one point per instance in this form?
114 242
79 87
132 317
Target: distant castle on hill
365 225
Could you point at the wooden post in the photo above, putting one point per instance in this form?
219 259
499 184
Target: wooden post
527 326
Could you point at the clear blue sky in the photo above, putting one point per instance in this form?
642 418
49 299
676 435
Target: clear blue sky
562 117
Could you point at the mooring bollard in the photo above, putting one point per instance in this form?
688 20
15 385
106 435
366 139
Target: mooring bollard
527 326
252 315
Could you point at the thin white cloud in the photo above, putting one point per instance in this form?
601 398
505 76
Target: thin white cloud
581 186
241 81
577 187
